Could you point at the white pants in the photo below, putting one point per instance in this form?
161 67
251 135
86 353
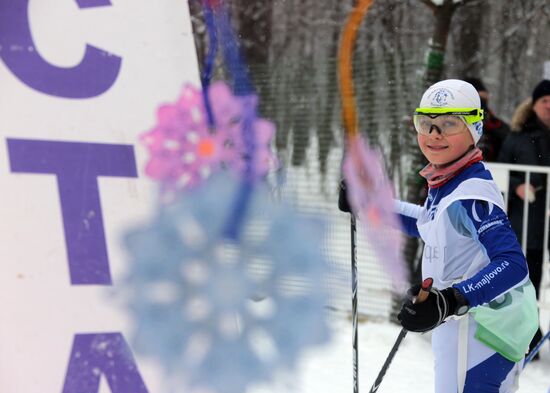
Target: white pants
487 370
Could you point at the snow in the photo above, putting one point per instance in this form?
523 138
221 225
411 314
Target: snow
329 369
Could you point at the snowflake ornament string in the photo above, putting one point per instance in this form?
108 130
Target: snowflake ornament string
225 287
220 313
184 149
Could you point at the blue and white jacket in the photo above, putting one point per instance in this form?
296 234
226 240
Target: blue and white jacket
469 242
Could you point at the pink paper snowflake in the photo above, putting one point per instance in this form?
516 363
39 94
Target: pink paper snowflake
371 195
183 148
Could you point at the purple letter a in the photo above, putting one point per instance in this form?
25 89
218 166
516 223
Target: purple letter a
105 354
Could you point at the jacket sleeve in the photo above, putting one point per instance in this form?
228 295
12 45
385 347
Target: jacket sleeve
408 214
489 226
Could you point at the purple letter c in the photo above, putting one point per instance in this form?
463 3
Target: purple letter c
94 75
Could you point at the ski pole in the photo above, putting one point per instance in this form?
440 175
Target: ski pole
354 304
422 295
536 349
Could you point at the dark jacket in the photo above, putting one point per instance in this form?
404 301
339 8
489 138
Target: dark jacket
527 144
495 132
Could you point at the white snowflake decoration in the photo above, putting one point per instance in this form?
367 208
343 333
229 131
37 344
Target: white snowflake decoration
220 313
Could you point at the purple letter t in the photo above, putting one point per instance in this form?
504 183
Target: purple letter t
77 166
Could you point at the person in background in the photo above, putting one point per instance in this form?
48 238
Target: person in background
529 144
495 130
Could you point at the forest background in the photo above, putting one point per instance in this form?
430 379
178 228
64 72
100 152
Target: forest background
403 46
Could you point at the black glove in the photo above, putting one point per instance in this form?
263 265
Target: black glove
343 203
429 314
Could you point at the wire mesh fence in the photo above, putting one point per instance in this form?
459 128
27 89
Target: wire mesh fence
303 100
314 194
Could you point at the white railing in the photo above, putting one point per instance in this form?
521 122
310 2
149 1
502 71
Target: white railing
501 175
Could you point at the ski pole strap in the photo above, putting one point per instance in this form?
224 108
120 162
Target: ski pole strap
462 360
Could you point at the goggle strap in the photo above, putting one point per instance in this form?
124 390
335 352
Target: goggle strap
474 112
471 116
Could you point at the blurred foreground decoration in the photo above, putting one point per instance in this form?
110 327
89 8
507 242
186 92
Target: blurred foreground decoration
372 199
184 150
225 286
370 191
220 313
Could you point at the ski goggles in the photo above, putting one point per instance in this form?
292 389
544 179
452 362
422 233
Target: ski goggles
447 121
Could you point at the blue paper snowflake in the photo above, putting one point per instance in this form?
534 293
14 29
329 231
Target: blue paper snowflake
220 312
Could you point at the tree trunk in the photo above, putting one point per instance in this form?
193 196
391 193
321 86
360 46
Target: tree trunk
416 186
390 56
467 43
254 29
436 55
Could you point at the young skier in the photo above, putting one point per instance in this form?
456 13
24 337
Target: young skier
481 309
482 306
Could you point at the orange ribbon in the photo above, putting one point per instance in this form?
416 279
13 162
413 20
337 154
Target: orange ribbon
345 66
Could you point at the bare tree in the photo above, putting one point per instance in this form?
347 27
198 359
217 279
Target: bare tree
442 16
470 26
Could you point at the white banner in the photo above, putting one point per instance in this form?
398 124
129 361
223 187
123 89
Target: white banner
80 80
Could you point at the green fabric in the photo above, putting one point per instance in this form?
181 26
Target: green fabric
508 324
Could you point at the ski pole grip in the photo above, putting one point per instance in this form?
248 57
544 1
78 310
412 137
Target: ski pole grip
424 290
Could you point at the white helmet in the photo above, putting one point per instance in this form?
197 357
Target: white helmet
458 97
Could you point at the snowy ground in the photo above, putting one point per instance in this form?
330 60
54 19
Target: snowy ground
329 369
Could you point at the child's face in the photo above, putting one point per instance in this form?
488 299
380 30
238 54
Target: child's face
441 149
